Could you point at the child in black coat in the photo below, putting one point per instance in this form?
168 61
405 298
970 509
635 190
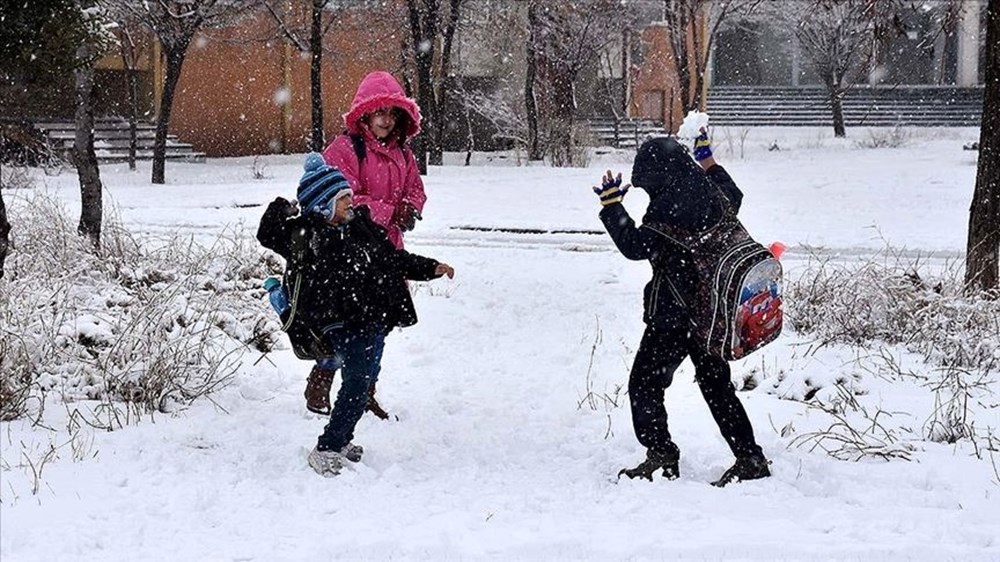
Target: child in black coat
351 289
682 195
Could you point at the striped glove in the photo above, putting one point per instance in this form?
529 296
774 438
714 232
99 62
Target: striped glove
611 190
702 146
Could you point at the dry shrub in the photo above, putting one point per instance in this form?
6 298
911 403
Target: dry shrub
153 324
897 298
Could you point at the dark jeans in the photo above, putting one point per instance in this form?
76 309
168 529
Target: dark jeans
336 362
661 351
358 355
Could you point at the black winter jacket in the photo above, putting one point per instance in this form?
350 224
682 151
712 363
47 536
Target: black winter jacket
350 273
681 194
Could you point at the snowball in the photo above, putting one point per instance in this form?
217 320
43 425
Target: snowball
693 123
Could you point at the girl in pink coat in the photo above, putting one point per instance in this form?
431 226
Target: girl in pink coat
374 157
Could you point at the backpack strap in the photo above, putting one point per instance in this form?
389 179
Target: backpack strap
358 142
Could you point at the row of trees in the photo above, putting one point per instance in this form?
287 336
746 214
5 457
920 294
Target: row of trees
841 39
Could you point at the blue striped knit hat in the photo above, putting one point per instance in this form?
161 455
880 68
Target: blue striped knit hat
321 186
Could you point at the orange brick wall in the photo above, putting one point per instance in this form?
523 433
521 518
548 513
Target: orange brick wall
655 77
226 102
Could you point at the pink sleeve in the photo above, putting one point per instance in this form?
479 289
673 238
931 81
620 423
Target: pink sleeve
413 190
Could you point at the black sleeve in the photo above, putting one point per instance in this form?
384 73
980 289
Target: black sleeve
416 268
720 177
400 262
274 231
634 243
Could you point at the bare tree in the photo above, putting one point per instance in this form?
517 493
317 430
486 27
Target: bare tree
289 18
693 26
531 75
84 157
432 33
566 38
841 40
96 43
983 250
175 23
4 230
130 60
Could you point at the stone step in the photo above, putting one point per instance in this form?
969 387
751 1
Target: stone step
919 106
111 140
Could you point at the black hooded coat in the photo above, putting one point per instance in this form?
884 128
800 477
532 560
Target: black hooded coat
684 196
350 274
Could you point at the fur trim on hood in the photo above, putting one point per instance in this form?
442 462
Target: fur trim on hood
380 89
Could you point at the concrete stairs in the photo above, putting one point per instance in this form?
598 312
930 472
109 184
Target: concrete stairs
111 140
871 106
623 133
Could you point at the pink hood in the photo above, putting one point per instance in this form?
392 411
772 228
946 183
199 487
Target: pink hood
380 89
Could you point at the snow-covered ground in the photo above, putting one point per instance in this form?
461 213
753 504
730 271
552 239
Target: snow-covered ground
512 418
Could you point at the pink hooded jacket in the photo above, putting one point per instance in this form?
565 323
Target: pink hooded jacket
388 175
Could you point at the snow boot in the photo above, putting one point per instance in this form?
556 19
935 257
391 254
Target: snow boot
655 460
373 405
318 390
326 463
352 452
746 468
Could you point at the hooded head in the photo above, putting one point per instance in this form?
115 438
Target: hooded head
321 186
379 90
662 164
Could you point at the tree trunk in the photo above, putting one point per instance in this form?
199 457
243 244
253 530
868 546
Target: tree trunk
531 108
133 116
444 82
837 107
982 260
175 59
560 122
679 16
315 75
4 232
83 151
132 87
423 18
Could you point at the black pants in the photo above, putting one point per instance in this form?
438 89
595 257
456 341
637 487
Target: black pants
661 351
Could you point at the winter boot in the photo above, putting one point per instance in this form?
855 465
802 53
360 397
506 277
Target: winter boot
318 390
352 452
746 468
373 405
655 460
326 463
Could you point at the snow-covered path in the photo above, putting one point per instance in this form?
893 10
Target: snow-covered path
497 453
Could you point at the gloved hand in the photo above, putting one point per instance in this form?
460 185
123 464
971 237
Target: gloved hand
405 216
611 190
702 146
283 208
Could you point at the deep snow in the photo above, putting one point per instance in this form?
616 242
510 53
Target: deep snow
497 453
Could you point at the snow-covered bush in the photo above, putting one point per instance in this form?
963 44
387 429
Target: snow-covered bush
888 137
154 324
893 300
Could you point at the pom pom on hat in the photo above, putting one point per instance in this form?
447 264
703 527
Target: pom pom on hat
321 185
314 161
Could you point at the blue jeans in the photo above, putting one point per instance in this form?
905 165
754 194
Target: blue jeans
358 355
336 362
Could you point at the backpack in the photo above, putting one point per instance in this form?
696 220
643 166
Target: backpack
736 308
307 340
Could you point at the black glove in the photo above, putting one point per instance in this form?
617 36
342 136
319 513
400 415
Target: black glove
283 208
405 216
